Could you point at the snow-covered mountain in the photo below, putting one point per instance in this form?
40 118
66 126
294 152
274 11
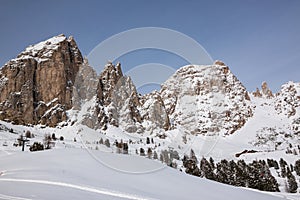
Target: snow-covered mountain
51 89
36 87
206 99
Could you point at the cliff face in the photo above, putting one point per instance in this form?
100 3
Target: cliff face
117 100
206 99
36 87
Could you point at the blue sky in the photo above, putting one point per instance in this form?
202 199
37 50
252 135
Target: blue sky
258 40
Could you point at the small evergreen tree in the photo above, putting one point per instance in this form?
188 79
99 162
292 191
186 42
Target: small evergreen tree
191 166
142 152
283 164
161 157
223 172
166 157
48 141
28 134
53 136
107 143
276 166
206 169
155 156
193 156
295 152
212 163
149 153
125 148
297 167
292 185
241 174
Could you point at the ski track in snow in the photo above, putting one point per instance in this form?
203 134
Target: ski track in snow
78 187
6 197
6 152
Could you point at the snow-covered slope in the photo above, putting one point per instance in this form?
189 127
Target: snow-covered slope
75 174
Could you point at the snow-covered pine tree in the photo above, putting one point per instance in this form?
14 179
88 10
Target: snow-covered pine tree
292 185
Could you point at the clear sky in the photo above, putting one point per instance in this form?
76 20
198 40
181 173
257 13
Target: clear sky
258 40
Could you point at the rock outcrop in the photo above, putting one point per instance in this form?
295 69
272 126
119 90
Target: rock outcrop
206 99
288 99
117 100
264 92
153 110
36 87
257 93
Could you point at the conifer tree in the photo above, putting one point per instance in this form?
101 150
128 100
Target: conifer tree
149 153
155 156
142 152
292 185
297 167
206 169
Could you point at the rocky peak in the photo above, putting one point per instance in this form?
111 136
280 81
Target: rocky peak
206 99
264 92
37 85
108 80
257 93
219 62
117 99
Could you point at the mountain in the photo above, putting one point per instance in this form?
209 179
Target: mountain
51 77
206 99
36 87
199 112
222 102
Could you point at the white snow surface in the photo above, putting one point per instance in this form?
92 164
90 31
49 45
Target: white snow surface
74 174
41 51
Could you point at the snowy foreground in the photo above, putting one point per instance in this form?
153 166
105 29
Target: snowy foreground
85 174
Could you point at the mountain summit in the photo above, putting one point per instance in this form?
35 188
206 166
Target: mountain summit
36 87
